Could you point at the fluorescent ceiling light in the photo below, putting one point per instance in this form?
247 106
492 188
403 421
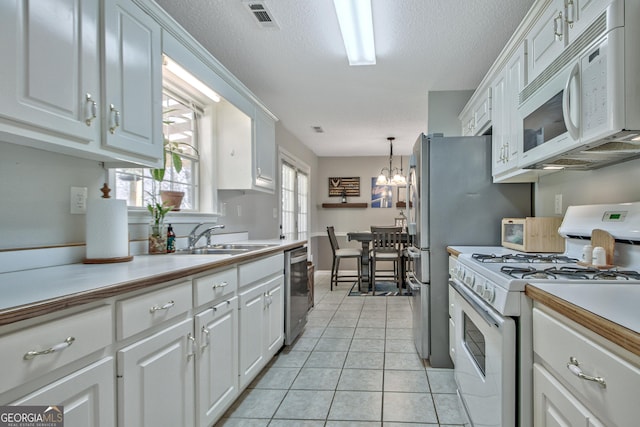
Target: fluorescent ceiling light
356 26
190 79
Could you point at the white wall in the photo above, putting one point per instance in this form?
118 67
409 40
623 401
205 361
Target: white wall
35 196
444 107
613 184
347 219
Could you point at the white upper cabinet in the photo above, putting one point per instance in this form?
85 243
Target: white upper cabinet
54 79
133 81
476 117
49 76
581 13
265 150
246 149
547 38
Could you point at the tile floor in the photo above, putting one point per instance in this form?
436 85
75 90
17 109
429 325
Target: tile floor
354 365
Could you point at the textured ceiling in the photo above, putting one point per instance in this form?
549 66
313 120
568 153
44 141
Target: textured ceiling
300 71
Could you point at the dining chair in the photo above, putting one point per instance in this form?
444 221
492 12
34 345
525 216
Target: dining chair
340 254
386 242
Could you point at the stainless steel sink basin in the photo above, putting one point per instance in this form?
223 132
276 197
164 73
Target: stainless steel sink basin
225 249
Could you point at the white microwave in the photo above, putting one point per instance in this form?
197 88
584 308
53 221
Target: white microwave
587 114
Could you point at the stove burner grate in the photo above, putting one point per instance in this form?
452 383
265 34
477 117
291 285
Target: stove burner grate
568 272
524 258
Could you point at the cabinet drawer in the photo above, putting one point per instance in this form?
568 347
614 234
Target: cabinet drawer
144 311
214 286
556 342
52 345
260 269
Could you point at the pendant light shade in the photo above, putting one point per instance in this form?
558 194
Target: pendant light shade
391 175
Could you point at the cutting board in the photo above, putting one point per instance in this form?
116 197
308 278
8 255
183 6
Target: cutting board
606 240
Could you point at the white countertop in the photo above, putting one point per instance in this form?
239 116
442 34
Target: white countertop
25 287
617 303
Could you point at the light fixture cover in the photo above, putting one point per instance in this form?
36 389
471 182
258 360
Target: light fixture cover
190 79
356 25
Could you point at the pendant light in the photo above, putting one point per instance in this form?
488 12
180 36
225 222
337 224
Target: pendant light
391 175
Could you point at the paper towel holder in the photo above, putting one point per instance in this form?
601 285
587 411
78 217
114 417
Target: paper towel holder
105 195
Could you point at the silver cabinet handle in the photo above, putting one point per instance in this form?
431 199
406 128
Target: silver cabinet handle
194 344
115 115
166 306
93 109
205 332
570 18
58 347
227 302
574 367
557 26
219 285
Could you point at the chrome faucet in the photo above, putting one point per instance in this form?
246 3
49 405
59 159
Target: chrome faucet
193 238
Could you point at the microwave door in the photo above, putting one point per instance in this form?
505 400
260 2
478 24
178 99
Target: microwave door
571 102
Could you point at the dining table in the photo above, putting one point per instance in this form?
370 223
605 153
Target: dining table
365 238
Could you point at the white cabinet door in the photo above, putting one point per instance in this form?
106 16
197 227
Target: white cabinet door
252 337
499 124
217 362
49 75
547 38
515 75
555 406
156 379
132 114
581 13
87 395
274 316
265 150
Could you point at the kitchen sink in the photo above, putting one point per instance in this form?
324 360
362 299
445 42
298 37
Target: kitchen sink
226 249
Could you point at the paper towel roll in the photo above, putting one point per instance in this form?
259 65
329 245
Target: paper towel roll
107 229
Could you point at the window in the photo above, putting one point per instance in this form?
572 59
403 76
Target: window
180 130
295 199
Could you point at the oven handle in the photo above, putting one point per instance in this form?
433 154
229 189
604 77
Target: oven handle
487 315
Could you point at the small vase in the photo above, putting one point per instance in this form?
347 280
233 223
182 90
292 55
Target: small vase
157 239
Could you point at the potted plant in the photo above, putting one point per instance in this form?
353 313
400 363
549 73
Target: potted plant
171 153
157 228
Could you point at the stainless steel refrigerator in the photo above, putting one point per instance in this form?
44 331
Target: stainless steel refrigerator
452 201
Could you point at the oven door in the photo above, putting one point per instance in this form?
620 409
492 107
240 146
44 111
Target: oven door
485 370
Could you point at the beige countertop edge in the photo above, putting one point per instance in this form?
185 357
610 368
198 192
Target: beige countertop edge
39 308
625 338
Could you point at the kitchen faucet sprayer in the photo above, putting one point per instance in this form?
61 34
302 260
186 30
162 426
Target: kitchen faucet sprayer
193 239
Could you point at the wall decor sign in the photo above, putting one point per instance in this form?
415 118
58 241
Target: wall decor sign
351 186
381 195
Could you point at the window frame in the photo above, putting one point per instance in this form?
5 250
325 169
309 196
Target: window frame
299 167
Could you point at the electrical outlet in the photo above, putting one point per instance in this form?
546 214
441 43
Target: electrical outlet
239 211
78 200
275 213
558 204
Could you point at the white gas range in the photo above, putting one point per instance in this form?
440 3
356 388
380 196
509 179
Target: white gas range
491 316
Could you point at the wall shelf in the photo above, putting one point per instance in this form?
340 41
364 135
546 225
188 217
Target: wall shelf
344 205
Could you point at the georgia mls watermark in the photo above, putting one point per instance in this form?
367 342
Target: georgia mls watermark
31 416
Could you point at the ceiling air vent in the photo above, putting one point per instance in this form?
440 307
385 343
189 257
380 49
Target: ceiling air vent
262 15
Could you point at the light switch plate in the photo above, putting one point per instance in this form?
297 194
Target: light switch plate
78 200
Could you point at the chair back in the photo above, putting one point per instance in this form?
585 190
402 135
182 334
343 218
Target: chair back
332 239
386 239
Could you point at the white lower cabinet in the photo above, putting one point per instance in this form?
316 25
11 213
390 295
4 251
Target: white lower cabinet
156 378
274 316
217 362
87 395
261 326
581 378
555 406
252 338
